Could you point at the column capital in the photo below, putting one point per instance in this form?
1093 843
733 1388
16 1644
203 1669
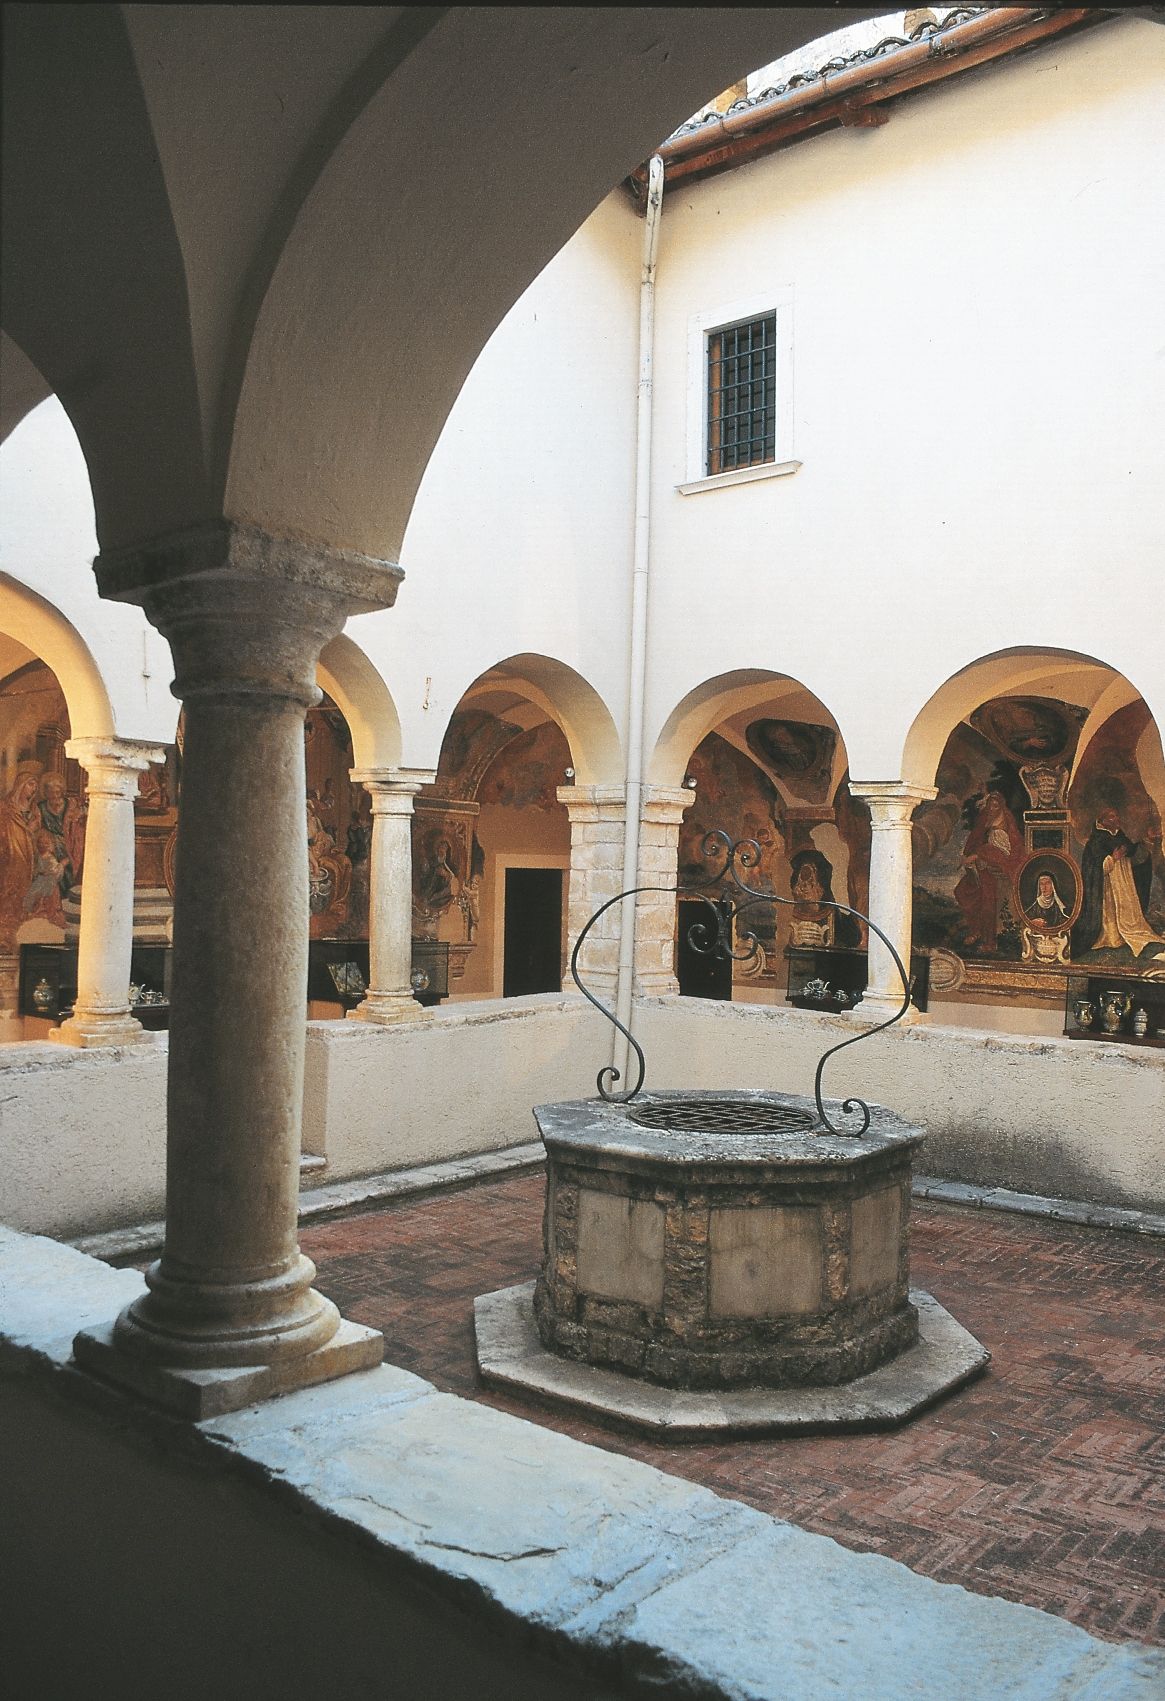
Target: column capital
112 765
892 802
586 803
393 789
246 614
226 548
665 805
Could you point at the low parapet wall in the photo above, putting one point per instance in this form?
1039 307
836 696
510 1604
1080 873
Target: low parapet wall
1037 1115
82 1133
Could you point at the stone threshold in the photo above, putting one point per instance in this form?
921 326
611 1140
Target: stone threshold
625 1580
1036 1205
337 1197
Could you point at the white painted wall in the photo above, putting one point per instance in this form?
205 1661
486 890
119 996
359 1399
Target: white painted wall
82 1133
520 539
979 405
1033 1114
48 540
978 408
463 1079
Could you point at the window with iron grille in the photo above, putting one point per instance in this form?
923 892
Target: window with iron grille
742 395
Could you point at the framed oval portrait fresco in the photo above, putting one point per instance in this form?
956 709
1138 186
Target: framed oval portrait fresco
1048 894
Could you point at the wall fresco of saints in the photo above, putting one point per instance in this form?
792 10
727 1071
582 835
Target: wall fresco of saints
339 829
813 838
1043 846
42 808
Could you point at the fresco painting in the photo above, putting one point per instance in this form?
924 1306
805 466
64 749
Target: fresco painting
1037 851
42 807
814 851
339 829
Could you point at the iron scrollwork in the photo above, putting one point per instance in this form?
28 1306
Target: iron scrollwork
728 895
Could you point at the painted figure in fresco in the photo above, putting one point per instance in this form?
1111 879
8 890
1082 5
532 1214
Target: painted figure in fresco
811 880
440 886
62 818
329 878
1117 876
992 852
43 897
1047 908
19 825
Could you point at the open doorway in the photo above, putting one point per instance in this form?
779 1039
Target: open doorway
532 949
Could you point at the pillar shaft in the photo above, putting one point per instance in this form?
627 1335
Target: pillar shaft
892 805
598 820
101 1015
655 912
231 1293
390 895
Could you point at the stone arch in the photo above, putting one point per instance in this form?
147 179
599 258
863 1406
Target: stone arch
563 696
767 761
718 700
347 267
22 387
1031 671
359 691
43 629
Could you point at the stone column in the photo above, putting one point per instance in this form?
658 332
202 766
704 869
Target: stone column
230 1315
101 1015
597 825
390 897
655 912
892 805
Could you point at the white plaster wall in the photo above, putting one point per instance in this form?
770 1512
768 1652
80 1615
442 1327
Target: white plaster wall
82 1137
83 1133
1033 1114
520 538
978 395
978 410
463 1079
48 540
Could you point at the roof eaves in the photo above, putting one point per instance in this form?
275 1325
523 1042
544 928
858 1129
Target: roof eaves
856 91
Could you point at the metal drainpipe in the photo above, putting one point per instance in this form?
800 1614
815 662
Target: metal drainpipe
637 671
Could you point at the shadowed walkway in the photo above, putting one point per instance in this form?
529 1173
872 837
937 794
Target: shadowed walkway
1043 1482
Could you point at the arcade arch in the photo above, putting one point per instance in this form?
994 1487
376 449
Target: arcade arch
528 747
764 759
1044 763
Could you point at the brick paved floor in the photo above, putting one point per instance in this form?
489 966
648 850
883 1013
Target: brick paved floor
1044 1481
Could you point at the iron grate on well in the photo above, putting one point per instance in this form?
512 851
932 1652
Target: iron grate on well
721 1116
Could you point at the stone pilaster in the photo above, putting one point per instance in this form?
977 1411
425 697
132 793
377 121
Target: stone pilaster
389 997
598 819
892 805
101 1015
231 1316
655 912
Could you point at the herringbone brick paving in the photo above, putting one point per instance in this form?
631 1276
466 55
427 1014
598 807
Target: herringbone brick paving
1043 1482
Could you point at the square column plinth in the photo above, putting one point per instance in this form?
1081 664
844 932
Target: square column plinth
198 1394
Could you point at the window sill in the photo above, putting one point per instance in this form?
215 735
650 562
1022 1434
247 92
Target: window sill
739 475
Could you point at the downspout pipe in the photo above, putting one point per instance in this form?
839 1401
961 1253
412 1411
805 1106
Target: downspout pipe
641 563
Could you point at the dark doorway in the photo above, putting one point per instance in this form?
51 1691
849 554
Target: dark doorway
700 974
532 950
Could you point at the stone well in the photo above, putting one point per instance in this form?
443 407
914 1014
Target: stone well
723 1266
712 1243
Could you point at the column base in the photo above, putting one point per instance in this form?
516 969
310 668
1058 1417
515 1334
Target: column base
198 1394
88 1029
656 985
873 1010
387 1008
